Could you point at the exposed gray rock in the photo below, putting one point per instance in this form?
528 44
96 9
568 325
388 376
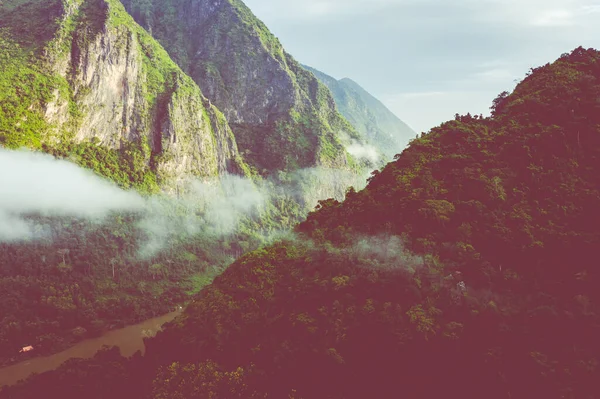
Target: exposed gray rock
125 89
282 117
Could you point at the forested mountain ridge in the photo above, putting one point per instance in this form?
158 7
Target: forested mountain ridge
82 79
367 114
499 298
282 117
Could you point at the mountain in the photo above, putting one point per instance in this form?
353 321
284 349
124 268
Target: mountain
367 114
282 117
465 268
82 79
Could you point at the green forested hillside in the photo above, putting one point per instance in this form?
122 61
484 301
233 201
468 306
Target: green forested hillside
509 202
367 114
466 268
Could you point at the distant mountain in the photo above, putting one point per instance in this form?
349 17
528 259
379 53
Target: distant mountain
367 114
282 117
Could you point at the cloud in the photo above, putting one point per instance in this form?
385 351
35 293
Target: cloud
34 183
495 74
227 201
360 150
403 47
213 208
554 18
36 189
363 151
221 207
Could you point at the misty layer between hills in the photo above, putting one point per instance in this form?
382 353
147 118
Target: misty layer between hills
39 189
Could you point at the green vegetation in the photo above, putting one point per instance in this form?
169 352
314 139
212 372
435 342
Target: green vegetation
23 92
82 277
32 23
48 53
465 268
368 115
127 167
220 45
88 277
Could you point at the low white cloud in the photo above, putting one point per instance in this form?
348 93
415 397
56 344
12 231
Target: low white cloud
219 207
363 151
38 184
37 191
360 150
495 74
554 18
320 9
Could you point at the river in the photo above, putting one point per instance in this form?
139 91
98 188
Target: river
129 340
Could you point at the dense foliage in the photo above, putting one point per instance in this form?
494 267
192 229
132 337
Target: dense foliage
501 300
511 202
87 277
83 276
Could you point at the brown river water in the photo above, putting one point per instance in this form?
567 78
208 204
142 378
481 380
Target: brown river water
128 339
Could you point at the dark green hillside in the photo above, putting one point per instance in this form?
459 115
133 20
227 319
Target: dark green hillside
500 300
511 202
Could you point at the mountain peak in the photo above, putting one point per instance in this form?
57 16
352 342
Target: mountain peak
370 117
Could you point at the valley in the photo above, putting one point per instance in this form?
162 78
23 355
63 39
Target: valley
172 155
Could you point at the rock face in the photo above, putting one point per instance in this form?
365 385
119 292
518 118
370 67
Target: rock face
368 115
110 83
282 117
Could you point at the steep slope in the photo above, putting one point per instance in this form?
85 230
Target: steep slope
81 78
502 303
282 117
504 211
367 114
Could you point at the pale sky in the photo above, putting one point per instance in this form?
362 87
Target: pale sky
430 59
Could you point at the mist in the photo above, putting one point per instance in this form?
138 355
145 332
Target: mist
364 151
36 183
221 207
360 150
384 252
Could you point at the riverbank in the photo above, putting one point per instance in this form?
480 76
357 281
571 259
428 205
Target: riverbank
129 340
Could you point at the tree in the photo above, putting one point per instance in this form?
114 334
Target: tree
499 102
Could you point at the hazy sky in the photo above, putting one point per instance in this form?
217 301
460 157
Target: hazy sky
429 59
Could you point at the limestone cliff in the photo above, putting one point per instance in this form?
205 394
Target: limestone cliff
282 117
81 77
